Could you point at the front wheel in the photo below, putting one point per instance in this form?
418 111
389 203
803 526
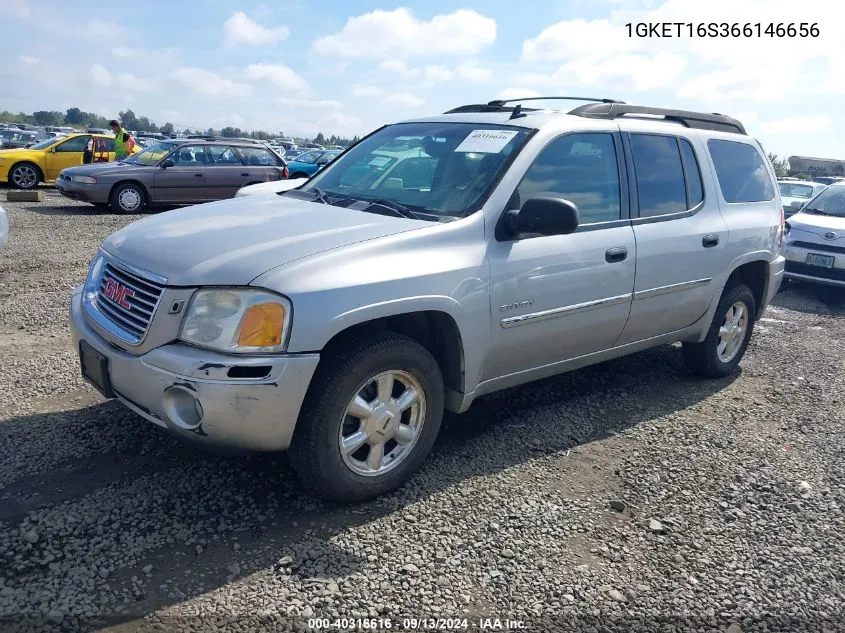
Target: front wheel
718 355
127 198
370 418
25 176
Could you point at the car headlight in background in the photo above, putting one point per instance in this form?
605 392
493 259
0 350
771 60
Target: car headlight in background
88 180
240 320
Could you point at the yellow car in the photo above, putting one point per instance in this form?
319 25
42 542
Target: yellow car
26 167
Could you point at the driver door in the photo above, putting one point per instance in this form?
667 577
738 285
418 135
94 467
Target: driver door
185 181
64 155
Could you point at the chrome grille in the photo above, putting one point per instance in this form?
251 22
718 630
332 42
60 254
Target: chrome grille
131 311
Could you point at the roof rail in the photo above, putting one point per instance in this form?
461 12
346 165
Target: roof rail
501 102
483 107
500 105
698 120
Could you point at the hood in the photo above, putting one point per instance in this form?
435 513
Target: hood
17 150
94 169
274 186
231 242
818 226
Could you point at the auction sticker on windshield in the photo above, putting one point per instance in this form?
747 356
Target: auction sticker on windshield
486 141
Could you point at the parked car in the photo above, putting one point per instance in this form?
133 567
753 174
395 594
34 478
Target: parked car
4 227
308 163
338 320
274 186
25 168
815 239
795 193
14 139
173 172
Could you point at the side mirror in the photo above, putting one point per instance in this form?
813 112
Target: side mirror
796 204
167 162
53 149
543 216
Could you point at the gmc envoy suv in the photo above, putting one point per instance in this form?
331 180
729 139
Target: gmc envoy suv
435 261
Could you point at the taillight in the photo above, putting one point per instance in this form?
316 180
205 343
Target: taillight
285 172
782 232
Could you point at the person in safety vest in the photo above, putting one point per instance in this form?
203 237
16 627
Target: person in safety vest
123 141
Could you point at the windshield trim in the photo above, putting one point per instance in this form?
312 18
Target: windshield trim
128 160
482 199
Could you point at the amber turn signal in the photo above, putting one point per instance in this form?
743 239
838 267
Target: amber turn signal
261 325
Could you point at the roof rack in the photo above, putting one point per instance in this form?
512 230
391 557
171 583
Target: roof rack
500 105
501 102
698 120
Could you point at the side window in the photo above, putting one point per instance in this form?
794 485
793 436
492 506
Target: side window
189 155
661 188
223 155
259 157
741 171
692 171
107 144
76 144
581 168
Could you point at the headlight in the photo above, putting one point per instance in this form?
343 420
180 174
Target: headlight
88 180
237 320
92 281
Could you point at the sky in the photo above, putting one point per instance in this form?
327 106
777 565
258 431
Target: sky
348 66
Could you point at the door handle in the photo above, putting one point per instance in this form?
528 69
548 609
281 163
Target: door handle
616 254
198 175
709 241
245 174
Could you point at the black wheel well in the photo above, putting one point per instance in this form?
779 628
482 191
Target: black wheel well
298 174
433 329
130 182
31 164
755 275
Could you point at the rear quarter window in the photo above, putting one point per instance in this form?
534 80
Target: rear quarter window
741 171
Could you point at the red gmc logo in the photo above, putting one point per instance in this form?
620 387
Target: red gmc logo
118 293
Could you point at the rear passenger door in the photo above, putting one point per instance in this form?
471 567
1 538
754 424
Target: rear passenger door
226 172
680 233
262 164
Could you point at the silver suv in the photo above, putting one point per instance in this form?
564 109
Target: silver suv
437 260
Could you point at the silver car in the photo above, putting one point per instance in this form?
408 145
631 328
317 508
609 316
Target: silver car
339 319
4 227
796 193
815 239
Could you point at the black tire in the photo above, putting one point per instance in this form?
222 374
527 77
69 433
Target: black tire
298 175
25 176
703 358
315 450
123 194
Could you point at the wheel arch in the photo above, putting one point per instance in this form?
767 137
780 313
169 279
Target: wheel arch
131 181
31 163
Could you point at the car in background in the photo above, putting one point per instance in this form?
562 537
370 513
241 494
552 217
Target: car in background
795 193
309 163
4 227
275 186
13 138
25 168
172 173
815 239
828 180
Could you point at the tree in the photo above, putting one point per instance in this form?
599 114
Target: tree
128 120
43 117
780 165
167 128
74 116
320 139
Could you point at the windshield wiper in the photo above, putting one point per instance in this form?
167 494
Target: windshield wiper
399 209
320 195
814 211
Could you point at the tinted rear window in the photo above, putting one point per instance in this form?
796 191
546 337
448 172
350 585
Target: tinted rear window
741 171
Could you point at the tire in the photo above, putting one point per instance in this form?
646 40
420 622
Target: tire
324 420
298 175
128 198
704 358
25 176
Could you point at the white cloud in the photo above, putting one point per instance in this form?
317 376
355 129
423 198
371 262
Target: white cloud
404 99
100 28
398 68
150 57
384 34
434 72
517 93
639 73
15 8
240 29
739 83
472 71
278 74
99 75
310 104
29 60
365 91
208 83
796 125
571 38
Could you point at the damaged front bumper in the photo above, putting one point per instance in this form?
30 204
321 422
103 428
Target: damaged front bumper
243 402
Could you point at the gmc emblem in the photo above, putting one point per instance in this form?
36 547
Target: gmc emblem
118 293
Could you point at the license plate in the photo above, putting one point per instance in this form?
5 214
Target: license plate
95 369
825 261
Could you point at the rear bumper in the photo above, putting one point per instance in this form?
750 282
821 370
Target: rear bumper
188 391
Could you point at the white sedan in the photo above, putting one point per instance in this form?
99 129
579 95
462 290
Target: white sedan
4 227
274 186
815 239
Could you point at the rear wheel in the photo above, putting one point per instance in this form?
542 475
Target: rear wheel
25 176
370 418
719 354
127 198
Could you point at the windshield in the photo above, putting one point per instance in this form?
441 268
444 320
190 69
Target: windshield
792 190
45 143
831 201
441 169
150 155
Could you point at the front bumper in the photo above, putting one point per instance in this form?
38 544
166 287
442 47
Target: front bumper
188 390
798 269
98 193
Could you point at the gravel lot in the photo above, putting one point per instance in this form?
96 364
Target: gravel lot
628 496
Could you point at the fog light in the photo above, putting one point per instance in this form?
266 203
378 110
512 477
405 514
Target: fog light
182 408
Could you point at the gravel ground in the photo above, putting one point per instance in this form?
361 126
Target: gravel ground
628 496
